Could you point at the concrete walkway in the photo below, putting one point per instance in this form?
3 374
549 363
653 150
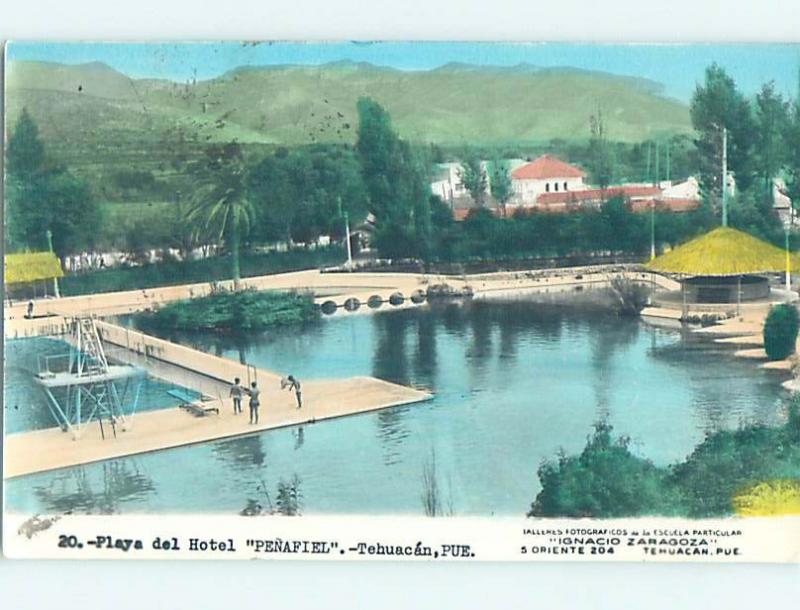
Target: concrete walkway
50 449
337 287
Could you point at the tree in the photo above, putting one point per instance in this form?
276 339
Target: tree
43 197
221 203
772 118
273 186
717 105
600 153
301 194
500 184
25 156
792 150
620 229
396 180
606 480
474 179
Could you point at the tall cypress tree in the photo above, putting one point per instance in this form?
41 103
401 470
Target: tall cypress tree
42 198
792 149
716 105
25 155
396 180
772 116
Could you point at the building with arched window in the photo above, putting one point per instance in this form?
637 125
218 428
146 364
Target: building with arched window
546 174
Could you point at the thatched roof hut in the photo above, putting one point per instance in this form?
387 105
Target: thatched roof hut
29 267
723 252
725 266
28 274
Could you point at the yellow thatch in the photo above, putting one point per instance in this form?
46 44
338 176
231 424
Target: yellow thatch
724 252
770 498
31 266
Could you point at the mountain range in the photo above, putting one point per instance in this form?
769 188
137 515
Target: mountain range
93 107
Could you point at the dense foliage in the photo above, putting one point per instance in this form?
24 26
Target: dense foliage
302 193
612 229
214 269
396 178
780 331
241 196
607 480
43 197
221 208
235 311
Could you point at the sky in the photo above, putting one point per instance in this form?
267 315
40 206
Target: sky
678 67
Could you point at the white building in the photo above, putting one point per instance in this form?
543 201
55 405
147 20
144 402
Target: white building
448 185
546 174
690 189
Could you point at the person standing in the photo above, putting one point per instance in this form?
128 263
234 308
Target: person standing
236 393
294 384
254 402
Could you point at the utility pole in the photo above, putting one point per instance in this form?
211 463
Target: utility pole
656 182
648 179
668 177
788 265
55 279
349 247
652 229
347 233
724 177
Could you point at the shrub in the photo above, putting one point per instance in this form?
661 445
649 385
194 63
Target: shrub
630 297
780 331
234 312
605 480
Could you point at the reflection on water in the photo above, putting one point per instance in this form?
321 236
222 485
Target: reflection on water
392 432
515 383
100 489
242 452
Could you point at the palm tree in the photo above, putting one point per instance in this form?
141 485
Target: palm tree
220 207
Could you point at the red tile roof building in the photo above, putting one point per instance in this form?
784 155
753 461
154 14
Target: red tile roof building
550 185
546 167
547 174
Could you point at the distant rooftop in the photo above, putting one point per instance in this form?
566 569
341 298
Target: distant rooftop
546 166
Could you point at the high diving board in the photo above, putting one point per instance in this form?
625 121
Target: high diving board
115 372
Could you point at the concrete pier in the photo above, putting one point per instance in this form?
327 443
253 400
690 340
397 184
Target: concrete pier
50 449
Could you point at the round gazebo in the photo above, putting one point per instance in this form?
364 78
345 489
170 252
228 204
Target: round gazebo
724 266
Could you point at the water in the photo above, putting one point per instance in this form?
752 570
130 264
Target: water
515 384
25 403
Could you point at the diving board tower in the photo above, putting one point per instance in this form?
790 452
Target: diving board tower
82 386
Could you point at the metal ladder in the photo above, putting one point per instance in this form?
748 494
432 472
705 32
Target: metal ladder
91 355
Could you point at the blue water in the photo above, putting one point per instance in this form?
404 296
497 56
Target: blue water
515 384
25 403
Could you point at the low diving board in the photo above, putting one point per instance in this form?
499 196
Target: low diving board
194 404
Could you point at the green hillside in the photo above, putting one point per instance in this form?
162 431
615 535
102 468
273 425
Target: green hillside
299 104
116 131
